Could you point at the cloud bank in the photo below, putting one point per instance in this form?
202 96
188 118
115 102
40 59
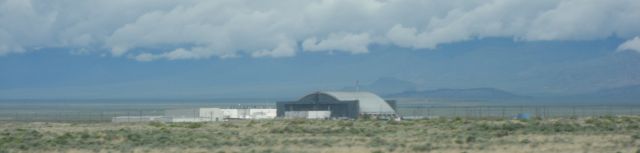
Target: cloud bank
630 45
147 30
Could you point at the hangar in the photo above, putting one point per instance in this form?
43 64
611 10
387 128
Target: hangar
339 105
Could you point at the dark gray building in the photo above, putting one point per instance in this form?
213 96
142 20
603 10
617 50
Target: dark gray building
341 104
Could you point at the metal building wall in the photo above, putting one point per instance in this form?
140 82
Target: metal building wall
348 109
195 114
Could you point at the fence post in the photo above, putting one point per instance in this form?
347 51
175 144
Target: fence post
549 111
455 113
521 109
415 110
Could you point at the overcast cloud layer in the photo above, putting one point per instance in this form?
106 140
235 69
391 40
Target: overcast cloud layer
148 30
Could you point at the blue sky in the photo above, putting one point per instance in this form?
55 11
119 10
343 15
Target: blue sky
247 49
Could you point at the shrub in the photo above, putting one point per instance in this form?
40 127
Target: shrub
471 139
377 142
194 125
134 137
251 123
297 121
229 125
156 124
365 117
63 139
458 141
423 148
392 147
377 151
502 133
393 122
345 123
635 137
266 124
457 119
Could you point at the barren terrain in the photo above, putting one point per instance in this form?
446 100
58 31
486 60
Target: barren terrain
455 135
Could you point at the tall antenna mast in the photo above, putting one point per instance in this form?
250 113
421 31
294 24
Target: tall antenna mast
357 86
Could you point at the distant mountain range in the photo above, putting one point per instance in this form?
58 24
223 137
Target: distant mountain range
626 94
620 94
460 94
390 87
397 88
386 85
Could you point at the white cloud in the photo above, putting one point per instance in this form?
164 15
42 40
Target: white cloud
353 43
583 20
284 49
183 54
630 45
406 37
22 26
201 29
7 45
144 57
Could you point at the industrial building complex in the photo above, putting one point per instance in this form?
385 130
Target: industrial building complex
318 105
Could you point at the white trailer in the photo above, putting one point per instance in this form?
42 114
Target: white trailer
262 113
308 114
249 113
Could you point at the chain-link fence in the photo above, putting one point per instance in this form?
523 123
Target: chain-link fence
542 111
97 114
407 111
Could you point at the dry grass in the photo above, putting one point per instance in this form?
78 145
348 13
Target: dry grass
604 134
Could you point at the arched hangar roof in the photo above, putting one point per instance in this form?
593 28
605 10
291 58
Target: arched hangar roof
368 102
